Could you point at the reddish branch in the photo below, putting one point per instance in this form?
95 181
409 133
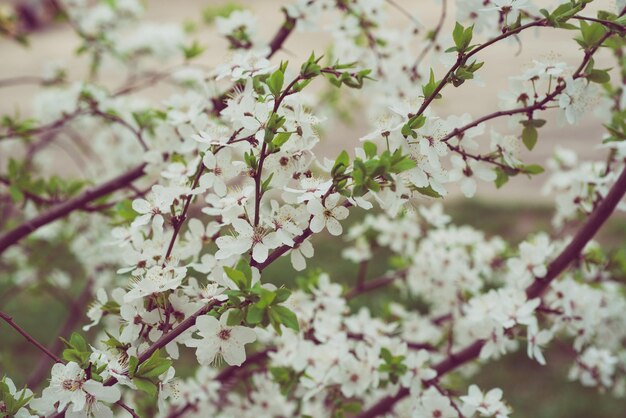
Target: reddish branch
225 376
374 284
540 105
9 320
219 103
462 58
69 206
73 318
555 268
433 39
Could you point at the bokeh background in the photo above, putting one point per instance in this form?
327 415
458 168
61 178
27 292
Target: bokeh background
512 212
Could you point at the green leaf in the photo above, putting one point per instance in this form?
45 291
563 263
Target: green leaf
154 366
599 76
133 363
457 35
529 137
235 317
146 385
193 50
403 165
281 138
370 149
428 191
282 295
501 177
532 169
78 341
237 277
287 317
275 82
341 163
267 297
462 36
429 88
255 315
592 32
311 68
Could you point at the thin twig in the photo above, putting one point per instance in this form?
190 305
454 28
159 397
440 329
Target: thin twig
9 320
69 206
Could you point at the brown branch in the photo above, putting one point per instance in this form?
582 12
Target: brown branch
21 80
116 119
376 283
219 103
555 268
170 336
69 206
74 316
9 320
281 36
540 105
43 128
225 376
462 58
433 39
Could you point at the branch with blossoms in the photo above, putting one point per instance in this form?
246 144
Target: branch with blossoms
539 285
237 184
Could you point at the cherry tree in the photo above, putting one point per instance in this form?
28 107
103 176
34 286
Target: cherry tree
186 202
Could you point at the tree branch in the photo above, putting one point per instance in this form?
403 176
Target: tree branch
69 206
74 316
9 320
555 268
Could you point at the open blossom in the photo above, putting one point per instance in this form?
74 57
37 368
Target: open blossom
577 98
16 395
537 340
595 367
69 387
327 215
532 261
95 310
257 238
220 168
245 64
433 404
300 253
221 341
486 404
156 279
464 171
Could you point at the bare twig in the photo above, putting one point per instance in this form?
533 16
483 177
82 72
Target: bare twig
9 320
69 206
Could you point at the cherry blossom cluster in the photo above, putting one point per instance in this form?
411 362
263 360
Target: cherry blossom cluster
224 177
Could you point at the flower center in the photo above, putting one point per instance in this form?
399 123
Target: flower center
71 385
224 334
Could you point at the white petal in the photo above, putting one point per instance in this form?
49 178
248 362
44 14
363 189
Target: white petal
243 335
468 187
141 206
314 207
234 355
109 394
317 224
297 260
207 325
259 253
333 226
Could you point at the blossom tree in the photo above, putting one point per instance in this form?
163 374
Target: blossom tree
185 203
